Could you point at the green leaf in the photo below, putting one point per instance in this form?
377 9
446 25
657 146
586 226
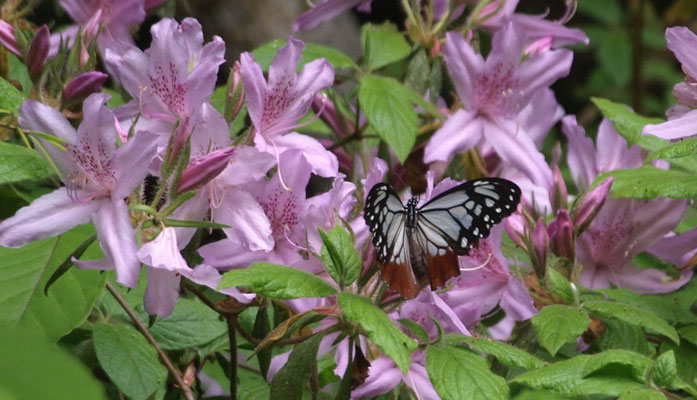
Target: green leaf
20 163
567 378
10 97
128 359
507 355
648 182
265 54
689 333
382 45
642 394
387 106
560 286
622 335
665 371
630 126
262 327
379 328
418 72
25 271
32 368
557 324
638 363
614 55
277 281
461 374
191 324
683 148
416 329
289 381
632 315
686 360
666 308
339 256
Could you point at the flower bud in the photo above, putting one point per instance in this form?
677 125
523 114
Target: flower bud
8 39
235 94
591 204
540 243
515 226
539 46
204 169
38 50
560 195
84 85
562 235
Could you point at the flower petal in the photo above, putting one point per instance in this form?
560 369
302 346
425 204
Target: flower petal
612 150
254 87
315 76
133 160
249 225
163 253
582 155
542 70
323 162
684 126
117 239
463 64
383 376
324 11
460 132
49 215
248 166
682 42
649 280
162 293
207 275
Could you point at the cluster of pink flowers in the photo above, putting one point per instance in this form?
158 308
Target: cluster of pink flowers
256 187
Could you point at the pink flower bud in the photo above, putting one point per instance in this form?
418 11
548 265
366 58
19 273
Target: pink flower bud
539 46
204 169
235 96
561 231
8 39
84 85
591 204
540 243
560 195
38 50
515 226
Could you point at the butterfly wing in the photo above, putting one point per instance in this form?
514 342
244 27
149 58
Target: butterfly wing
456 219
386 217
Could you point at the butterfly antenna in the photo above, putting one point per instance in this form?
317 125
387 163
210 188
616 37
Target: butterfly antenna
479 266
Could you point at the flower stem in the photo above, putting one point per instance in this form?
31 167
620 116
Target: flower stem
232 336
186 390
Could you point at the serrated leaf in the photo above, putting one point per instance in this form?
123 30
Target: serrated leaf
191 323
128 359
686 361
20 163
566 378
633 315
638 363
642 394
339 256
506 354
461 374
265 54
560 286
34 369
648 182
622 335
557 324
10 97
277 281
670 310
388 108
25 271
289 381
683 148
665 371
418 71
382 45
379 328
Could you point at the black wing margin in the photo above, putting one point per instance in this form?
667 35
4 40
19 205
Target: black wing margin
465 213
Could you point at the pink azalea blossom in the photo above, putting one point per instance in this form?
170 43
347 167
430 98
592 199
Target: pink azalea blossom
622 228
275 106
170 81
682 118
494 93
112 20
98 176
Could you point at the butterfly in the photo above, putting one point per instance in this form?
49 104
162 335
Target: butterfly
418 244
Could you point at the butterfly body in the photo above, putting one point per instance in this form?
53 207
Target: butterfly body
416 245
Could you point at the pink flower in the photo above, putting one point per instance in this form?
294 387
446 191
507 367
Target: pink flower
84 85
98 176
112 20
622 228
7 37
326 10
275 106
38 50
682 119
494 92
